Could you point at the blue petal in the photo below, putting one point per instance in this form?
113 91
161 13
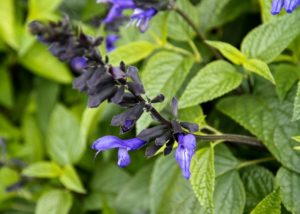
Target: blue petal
107 142
290 5
110 42
142 18
123 158
78 63
184 152
134 143
276 6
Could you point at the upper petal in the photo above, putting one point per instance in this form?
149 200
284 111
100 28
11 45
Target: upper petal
107 142
134 143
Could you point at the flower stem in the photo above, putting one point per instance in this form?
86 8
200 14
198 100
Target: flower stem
195 28
251 141
253 162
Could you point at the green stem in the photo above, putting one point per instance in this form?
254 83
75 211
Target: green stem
195 28
253 162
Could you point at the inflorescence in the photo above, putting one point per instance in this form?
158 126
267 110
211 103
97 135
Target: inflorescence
122 86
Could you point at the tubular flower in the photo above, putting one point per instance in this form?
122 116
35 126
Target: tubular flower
289 5
141 18
110 42
111 142
184 152
117 8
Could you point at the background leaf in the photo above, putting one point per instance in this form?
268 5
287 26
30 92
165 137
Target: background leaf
65 141
70 179
54 202
43 170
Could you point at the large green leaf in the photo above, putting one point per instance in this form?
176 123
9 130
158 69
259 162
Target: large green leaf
258 182
6 88
8 23
64 138
289 189
164 73
214 80
229 51
7 177
169 191
54 202
270 204
285 76
213 13
34 145
259 67
42 169
39 61
135 190
131 53
268 40
178 28
203 177
41 9
268 119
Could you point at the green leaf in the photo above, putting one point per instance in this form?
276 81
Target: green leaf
192 114
42 169
259 67
34 146
39 61
41 9
164 73
214 80
7 129
268 119
289 189
169 191
7 177
64 138
54 202
6 88
178 28
285 76
266 7
214 13
270 204
258 182
46 97
229 194
229 51
267 41
90 118
296 111
135 190
203 177
131 53
70 179
8 23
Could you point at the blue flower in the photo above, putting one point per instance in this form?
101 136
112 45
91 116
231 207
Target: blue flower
141 18
184 152
110 42
117 8
289 5
111 142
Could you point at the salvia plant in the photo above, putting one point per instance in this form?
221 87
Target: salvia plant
147 106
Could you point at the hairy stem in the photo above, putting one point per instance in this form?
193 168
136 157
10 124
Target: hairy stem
195 28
